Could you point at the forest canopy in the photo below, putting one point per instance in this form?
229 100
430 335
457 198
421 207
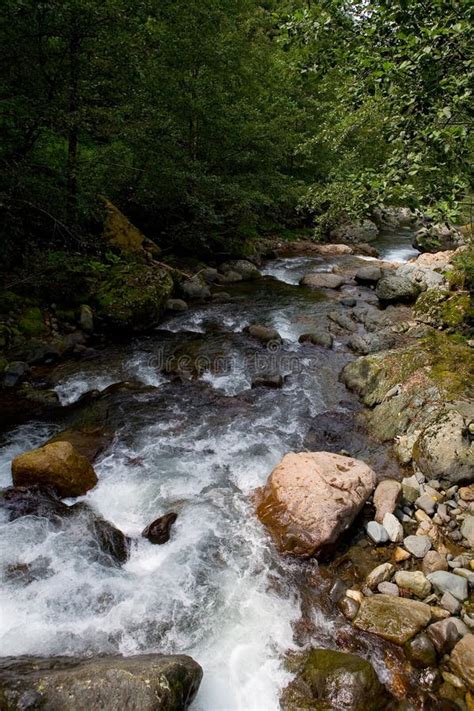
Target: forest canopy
213 121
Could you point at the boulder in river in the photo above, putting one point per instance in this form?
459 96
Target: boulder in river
368 275
263 333
317 338
244 268
159 530
322 280
57 465
393 288
311 498
328 679
354 232
438 238
394 618
88 441
146 682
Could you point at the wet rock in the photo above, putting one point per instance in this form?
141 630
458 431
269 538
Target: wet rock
108 542
387 588
317 338
57 465
442 308
393 527
376 532
418 546
446 633
396 289
448 582
246 270
380 574
338 590
348 607
386 497
195 289
146 682
421 651
88 441
322 280
265 334
433 561
176 305
462 659
371 342
354 232
334 680
394 618
86 318
268 380
229 277
368 275
366 249
415 582
444 449
14 373
159 531
311 498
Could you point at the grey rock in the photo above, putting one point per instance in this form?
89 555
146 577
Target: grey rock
322 280
195 289
387 588
432 562
348 301
14 373
393 527
421 651
176 305
410 488
368 275
443 582
418 546
467 529
264 333
393 288
426 503
354 232
376 532
446 633
342 320
414 581
267 380
450 603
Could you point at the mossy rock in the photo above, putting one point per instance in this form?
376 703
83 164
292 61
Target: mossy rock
119 231
334 680
444 309
132 296
438 359
31 323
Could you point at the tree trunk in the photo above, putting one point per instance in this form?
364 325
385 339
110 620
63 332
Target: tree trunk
73 128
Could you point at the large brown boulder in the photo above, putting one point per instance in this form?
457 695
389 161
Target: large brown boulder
311 498
57 465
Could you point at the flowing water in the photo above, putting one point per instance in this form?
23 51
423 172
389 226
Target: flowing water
198 445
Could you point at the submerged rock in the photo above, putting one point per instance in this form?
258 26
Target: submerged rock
394 618
146 682
322 280
267 380
317 338
92 530
334 680
57 465
263 333
159 531
311 498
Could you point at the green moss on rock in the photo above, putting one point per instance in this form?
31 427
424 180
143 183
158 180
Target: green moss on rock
31 323
444 309
132 296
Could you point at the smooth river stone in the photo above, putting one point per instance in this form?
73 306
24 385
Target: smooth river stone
417 545
394 618
449 582
386 497
462 659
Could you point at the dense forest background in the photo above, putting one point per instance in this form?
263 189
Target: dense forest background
210 122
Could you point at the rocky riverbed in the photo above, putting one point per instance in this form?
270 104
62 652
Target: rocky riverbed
169 442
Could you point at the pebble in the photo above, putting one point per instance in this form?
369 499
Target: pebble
348 607
387 588
393 527
415 582
465 573
421 651
410 488
446 633
400 554
380 574
417 545
377 532
467 529
422 516
448 582
426 503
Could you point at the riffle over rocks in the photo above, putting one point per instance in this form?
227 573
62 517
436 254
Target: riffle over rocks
311 498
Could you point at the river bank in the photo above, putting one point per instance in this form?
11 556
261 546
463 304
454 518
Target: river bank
194 437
